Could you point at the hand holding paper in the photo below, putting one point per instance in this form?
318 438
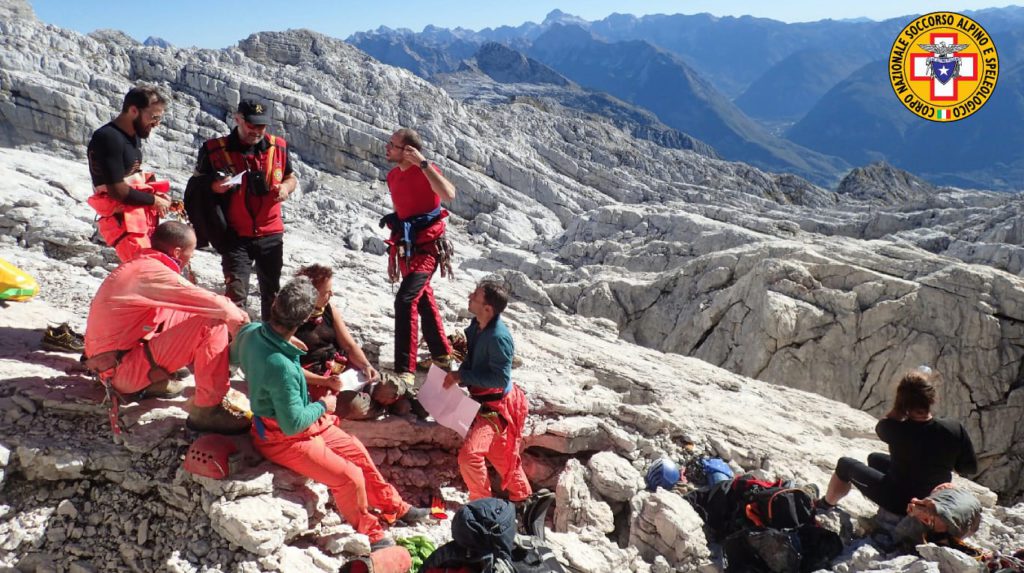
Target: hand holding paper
236 180
352 380
450 407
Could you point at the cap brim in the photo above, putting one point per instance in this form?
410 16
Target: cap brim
258 119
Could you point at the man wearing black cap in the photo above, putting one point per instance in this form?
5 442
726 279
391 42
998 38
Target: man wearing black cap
253 203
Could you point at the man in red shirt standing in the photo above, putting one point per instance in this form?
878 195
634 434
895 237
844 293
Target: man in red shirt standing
417 248
253 213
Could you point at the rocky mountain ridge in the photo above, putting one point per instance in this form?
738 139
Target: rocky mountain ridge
813 85
622 256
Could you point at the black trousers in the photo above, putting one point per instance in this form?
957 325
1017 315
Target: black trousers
415 301
872 481
267 255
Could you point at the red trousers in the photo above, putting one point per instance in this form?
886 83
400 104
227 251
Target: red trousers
415 300
488 440
327 454
186 339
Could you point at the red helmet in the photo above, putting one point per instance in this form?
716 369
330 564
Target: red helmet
210 456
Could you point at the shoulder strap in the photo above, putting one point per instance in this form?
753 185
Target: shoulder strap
218 151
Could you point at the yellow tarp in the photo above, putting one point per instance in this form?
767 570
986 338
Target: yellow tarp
16 284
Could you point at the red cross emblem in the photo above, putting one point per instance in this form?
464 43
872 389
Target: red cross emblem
938 90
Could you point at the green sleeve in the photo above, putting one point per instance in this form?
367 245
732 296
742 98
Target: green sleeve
292 409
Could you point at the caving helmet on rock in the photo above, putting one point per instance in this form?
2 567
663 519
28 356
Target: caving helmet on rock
662 473
210 456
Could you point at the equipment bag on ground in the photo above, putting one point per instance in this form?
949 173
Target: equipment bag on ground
15 284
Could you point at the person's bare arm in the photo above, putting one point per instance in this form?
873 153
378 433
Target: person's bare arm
438 183
348 344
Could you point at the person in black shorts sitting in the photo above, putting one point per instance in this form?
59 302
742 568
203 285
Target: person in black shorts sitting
923 452
331 349
330 346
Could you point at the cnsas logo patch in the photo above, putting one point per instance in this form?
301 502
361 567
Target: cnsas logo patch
943 66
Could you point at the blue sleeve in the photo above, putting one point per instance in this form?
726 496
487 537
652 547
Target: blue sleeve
291 409
497 372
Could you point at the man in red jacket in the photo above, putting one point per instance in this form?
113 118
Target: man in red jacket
147 321
254 203
417 248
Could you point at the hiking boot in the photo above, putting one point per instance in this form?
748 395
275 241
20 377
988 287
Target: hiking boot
812 491
391 387
216 419
459 346
415 515
382 543
444 362
169 388
63 339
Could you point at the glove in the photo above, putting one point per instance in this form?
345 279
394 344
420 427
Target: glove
352 403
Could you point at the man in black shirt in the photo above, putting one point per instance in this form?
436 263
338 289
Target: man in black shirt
923 452
128 201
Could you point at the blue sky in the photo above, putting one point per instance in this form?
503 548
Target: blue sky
220 23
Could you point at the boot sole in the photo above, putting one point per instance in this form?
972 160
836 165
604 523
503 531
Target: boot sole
53 347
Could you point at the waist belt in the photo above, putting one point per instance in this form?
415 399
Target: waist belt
105 362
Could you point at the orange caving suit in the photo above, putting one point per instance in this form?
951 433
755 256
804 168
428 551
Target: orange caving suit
127 228
147 300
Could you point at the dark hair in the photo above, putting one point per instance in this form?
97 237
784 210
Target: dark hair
170 235
495 296
915 392
294 303
142 97
410 137
319 274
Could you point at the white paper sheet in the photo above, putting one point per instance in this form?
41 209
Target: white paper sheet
450 407
236 180
352 380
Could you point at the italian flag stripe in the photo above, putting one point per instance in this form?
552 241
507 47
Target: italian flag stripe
942 113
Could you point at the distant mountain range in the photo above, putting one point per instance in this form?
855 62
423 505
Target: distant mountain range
739 83
498 74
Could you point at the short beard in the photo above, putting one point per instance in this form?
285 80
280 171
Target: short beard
140 128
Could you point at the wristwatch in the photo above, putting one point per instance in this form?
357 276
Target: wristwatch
424 164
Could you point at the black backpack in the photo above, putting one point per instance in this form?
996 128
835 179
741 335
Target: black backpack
484 534
781 508
531 555
767 550
207 212
722 505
